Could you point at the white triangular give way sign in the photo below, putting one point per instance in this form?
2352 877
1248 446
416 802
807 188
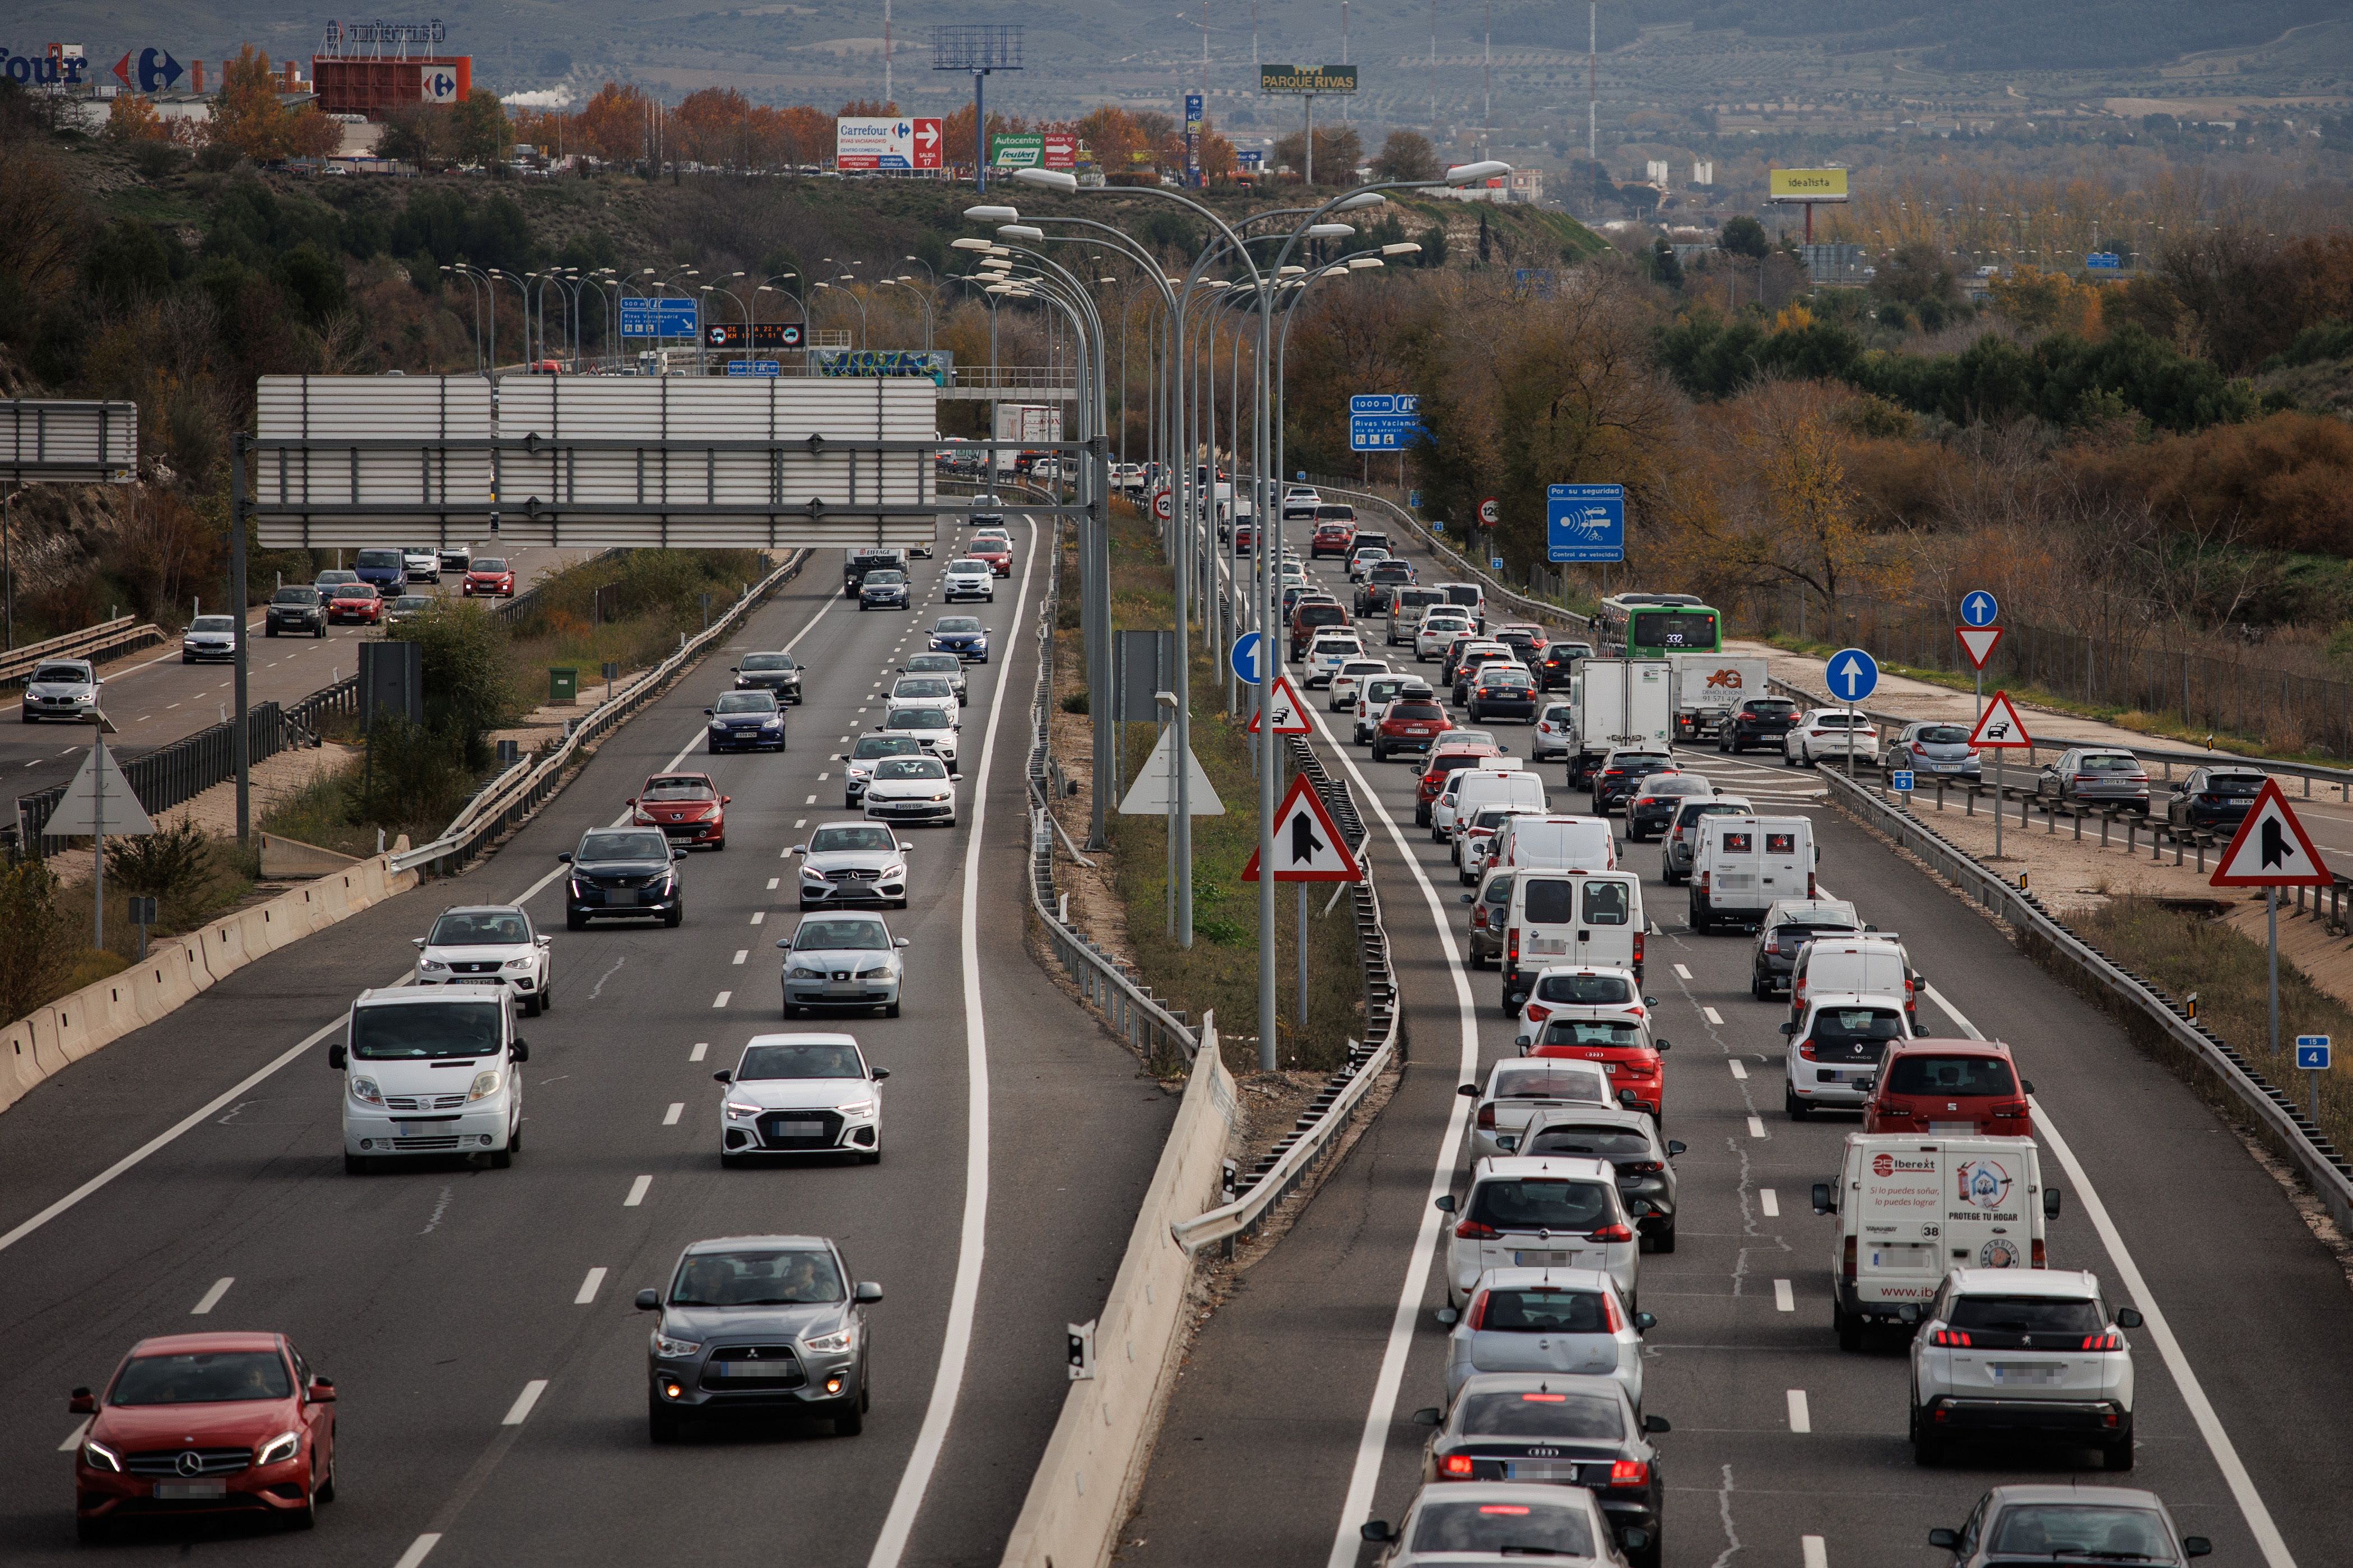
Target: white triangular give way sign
78 814
1307 845
1978 642
1999 726
1154 791
1283 705
2271 848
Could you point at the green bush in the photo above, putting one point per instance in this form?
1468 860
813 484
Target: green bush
173 864
35 947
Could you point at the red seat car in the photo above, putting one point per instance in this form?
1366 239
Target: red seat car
487 577
1332 538
1620 1045
206 1423
996 551
1416 724
1444 759
355 602
1949 1086
687 807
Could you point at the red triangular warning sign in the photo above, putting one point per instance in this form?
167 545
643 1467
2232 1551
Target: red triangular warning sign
2271 848
1289 712
1307 843
1999 727
1977 643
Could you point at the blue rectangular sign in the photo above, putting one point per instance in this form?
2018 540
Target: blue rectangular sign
767 367
1900 780
1585 523
1402 403
738 367
1383 432
644 318
2312 1052
2103 261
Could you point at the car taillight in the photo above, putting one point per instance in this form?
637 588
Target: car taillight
1703 876
1805 1051
1611 1233
1472 1230
2037 1258
2012 1108
1642 1167
1809 886
1629 1473
1847 1267
1538 1014
1457 1465
1772 943
1894 1107
1487 1117
1638 950
1609 1319
1951 1339
1512 946
2111 1340
1478 916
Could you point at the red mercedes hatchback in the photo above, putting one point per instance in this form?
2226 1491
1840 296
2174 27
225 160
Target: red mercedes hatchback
1949 1086
206 1423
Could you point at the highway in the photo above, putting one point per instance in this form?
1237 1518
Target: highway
154 700
1784 1450
491 1368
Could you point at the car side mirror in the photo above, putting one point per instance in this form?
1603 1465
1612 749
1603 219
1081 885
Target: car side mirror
1626 1097
633 799
1871 927
1443 1203
2197 1546
1663 1045
1674 1147
898 941
1945 1539
1825 1200
1788 1028
1645 1322
955 778
1377 1531
1635 1540
2026 1085
323 1391
519 1051
1650 1001
1656 1423
82 1402
882 1073
726 798
649 1301
732 669
1467 898
867 1292
546 942
417 942
783 942
723 1076
2129 1318
677 853
2050 1203
707 712
564 856
1427 1416
1448 1317
336 1057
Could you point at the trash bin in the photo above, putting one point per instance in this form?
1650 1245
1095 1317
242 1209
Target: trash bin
564 686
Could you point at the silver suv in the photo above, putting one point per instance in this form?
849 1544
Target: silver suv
758 1324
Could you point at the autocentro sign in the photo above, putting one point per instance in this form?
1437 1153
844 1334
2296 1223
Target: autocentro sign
1307 78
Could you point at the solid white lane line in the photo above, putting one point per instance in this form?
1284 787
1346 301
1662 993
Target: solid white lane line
521 1409
636 1191
1713 1016
588 1287
964 1295
1770 1202
1686 973
759 915
677 1108
1783 1300
418 1548
73 1439
211 1298
2193 1393
700 1047
1815 1554
1739 1069
742 953
721 1001
1801 1419
1756 1127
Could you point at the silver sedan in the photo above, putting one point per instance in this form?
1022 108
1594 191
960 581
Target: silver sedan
842 961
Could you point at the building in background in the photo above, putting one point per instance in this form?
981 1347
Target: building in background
375 68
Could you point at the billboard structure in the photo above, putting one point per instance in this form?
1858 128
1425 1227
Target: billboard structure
1034 150
886 142
376 68
1808 188
1307 83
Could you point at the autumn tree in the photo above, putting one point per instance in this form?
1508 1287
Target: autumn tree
714 126
867 109
1405 155
2048 301
1111 137
1338 150
612 123
246 115
478 130
130 118
804 134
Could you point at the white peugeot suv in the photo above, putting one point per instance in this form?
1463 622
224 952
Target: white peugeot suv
2023 1352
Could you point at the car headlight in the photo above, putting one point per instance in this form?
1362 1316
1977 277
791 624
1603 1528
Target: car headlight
520 962
880 971
99 1456
285 1446
432 966
666 1346
485 1085
834 1343
811 874
365 1090
856 1107
718 726
942 795
575 885
801 972
890 872
738 1109
771 723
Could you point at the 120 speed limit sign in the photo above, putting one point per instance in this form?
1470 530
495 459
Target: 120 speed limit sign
1162 507
1490 512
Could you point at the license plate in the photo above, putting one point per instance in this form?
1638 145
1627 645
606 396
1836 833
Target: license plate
620 895
2024 1374
1547 945
755 1369
1540 1470
191 1488
416 1129
1544 1260
800 1128
1953 1127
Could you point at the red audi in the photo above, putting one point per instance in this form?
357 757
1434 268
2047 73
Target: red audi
687 807
487 577
355 602
1949 1087
206 1423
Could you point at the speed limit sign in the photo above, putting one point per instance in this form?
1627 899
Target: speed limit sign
1162 508
1490 512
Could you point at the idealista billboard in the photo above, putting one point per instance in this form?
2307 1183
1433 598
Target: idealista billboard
1806 184
1307 78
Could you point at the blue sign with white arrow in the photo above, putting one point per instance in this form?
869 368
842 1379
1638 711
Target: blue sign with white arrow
1979 608
1854 675
1383 421
1243 656
644 318
2312 1052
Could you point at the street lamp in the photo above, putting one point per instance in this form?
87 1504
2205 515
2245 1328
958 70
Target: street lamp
920 297
855 300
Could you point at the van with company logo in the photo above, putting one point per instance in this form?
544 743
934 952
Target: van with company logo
1743 866
1911 1209
1590 919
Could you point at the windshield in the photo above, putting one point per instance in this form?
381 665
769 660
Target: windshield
622 847
1586 990
945 663
70 674
922 686
420 1031
871 746
489 564
2082 1529
203 1377
838 841
1950 1076
910 768
822 936
746 703
1599 1034
1543 1203
885 579
1541 1416
957 626
753 661
969 568
480 928
296 596
354 590
1601 1143
413 602
1542 1080
1545 1312
377 558
921 718
805 1058
766 1278
2106 765
1504 1529
678 789
213 624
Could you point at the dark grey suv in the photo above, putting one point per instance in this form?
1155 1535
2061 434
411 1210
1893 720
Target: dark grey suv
296 610
760 1325
619 871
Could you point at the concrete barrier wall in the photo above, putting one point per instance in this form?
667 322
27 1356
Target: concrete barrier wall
95 1016
1094 1463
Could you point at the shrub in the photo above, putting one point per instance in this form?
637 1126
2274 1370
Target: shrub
34 944
171 864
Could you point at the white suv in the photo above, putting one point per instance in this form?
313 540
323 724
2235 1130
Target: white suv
1552 1211
487 944
1439 625
1328 652
2006 1351
1830 732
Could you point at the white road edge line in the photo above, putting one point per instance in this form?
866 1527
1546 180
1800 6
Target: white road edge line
588 1287
1347 1540
2193 1394
73 1439
417 1549
521 1409
211 1298
636 1191
964 1295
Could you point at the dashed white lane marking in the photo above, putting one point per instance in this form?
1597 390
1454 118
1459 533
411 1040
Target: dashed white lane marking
700 1047
1801 1419
636 1191
417 1549
73 1439
1756 1127
1739 1069
1770 1202
742 953
821 778
721 1001
773 882
212 1297
521 1409
1713 1016
1816 1554
759 915
1783 1300
810 801
587 1293
677 1108
1686 973
800 822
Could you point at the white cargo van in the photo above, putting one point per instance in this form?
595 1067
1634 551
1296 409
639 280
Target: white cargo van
1556 843
1745 865
1872 964
1912 1209
1500 781
1708 687
1590 919
430 1070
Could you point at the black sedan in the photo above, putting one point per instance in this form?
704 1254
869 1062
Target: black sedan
1562 1428
623 871
776 672
746 722
1621 772
1651 811
2214 800
885 590
1560 662
1507 693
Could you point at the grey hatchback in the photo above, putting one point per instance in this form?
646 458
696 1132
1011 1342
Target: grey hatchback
2070 1524
758 1324
2095 773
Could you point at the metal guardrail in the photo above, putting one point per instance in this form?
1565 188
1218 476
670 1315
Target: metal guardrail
513 611
108 640
522 788
2291 1130
177 772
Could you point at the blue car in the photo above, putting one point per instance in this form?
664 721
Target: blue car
746 722
962 636
387 569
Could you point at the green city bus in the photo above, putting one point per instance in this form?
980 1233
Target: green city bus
1652 626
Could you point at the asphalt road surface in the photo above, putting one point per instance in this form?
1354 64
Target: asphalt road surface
1018 1139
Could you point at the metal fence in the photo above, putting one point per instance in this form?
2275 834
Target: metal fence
108 640
177 773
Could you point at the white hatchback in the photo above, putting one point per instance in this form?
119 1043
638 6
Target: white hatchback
487 944
1439 626
1328 652
801 1094
1350 677
1517 1090
1549 1211
1546 1320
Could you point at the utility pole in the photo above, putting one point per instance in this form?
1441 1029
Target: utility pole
1592 81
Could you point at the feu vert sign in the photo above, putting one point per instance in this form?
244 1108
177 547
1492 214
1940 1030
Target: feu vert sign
1017 152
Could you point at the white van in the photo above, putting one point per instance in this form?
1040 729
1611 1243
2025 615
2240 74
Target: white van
1556 843
1874 964
1745 865
1912 1209
1499 781
1589 918
430 1071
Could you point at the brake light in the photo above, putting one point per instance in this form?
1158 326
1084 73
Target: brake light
1457 1464
1487 1117
1805 1051
2037 1260
2013 1108
1472 1230
1610 1312
1951 1339
1773 943
1479 1312
1538 1015
1512 946
1703 876
1848 1267
1810 884
1638 948
2111 1340
1643 1167
1629 1473
1611 1233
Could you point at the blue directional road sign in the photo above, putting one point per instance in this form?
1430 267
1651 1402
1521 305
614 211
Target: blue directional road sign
2103 261
1854 675
1243 656
2312 1052
1979 608
738 367
643 318
1383 421
1900 781
1585 522
767 367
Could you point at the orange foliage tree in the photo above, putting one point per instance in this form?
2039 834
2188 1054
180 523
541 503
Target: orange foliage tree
612 124
130 118
714 126
246 115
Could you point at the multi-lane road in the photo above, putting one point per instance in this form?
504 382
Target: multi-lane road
1297 1395
491 1368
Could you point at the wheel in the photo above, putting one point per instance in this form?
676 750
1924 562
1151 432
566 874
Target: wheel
890 1011
675 916
662 1421
1421 817
720 842
531 1006
307 1516
500 1158
547 995
1697 922
92 1529
1797 1109
1850 1330
1663 1241
1653 1555
269 631
1379 755
1670 876
320 630
327 1488
731 1162
358 1164
873 1157
1926 1447
2119 1455
852 1421
575 921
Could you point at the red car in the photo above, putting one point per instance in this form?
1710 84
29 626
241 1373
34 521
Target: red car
1633 1068
1949 1086
355 602
687 807
1444 760
996 551
206 1423
1320 613
1410 724
487 577
1332 539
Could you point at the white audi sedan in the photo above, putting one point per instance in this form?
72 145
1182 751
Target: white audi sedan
488 944
842 961
801 1094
